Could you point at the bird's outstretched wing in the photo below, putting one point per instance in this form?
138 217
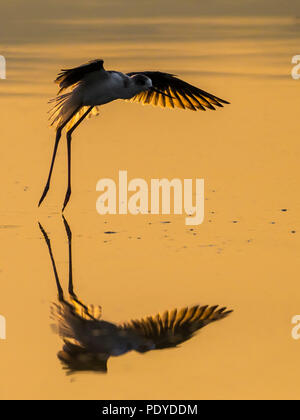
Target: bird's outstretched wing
175 327
69 77
180 94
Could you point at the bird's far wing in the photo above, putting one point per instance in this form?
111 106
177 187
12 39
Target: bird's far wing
175 327
183 95
68 77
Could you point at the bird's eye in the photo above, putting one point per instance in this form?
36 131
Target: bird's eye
143 348
140 81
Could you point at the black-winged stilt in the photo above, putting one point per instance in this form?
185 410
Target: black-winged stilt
91 86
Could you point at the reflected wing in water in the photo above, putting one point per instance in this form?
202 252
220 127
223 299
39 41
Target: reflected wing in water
175 327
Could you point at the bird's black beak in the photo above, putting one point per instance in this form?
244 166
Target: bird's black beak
161 92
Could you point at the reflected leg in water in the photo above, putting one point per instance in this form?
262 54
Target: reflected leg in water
71 317
73 296
59 288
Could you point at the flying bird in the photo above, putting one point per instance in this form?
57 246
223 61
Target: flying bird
91 86
90 341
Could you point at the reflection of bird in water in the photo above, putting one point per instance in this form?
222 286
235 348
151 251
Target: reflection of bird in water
90 341
91 85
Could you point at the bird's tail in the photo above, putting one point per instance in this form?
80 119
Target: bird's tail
63 110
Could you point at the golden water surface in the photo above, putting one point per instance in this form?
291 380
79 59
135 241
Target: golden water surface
245 255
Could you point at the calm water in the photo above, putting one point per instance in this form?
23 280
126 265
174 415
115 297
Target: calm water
244 255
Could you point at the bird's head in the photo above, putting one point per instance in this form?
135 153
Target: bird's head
142 82
143 348
143 344
76 358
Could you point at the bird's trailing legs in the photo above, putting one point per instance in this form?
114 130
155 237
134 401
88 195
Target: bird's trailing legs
69 139
57 138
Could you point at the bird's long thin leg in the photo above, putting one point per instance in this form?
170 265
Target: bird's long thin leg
71 287
57 138
69 139
59 288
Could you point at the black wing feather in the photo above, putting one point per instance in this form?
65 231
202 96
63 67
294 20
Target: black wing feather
69 77
184 95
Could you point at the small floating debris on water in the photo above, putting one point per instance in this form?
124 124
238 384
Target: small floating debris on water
110 232
209 245
167 221
8 226
293 231
272 223
235 221
283 209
